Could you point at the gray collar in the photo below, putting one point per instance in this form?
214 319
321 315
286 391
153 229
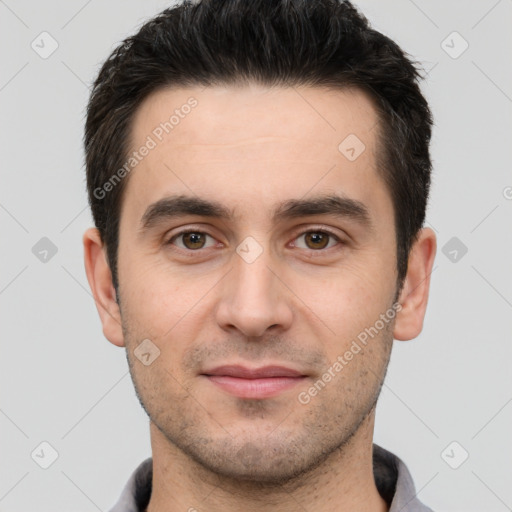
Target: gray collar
392 478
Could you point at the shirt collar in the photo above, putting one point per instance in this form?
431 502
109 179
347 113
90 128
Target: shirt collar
392 478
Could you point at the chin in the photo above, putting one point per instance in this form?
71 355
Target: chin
258 463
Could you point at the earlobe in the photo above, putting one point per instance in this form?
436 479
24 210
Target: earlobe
100 280
414 294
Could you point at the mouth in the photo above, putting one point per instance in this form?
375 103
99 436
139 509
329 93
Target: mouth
255 383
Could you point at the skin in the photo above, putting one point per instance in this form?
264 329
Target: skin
296 305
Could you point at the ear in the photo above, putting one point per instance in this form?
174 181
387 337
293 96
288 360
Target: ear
100 281
414 294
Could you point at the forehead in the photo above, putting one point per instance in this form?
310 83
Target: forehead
238 144
231 114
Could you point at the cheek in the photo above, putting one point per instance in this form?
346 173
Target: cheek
345 303
157 301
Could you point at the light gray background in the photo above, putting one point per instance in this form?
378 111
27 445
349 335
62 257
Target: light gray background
63 383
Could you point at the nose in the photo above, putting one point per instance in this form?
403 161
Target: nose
254 299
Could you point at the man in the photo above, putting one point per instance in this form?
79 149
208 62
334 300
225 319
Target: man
258 174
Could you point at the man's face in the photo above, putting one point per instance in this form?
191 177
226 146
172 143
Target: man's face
281 280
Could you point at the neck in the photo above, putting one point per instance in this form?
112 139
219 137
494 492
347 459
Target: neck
343 481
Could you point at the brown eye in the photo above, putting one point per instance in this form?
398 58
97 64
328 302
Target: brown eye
316 240
192 240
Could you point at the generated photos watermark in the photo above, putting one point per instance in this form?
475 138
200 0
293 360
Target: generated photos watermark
369 333
152 140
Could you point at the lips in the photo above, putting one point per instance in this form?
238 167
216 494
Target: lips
255 383
242 372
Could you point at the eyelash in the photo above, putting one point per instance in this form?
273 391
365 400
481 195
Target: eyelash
322 230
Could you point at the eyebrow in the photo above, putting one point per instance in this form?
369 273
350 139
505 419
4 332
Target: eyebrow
182 205
333 204
179 206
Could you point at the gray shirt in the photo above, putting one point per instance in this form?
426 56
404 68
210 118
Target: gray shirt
392 478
